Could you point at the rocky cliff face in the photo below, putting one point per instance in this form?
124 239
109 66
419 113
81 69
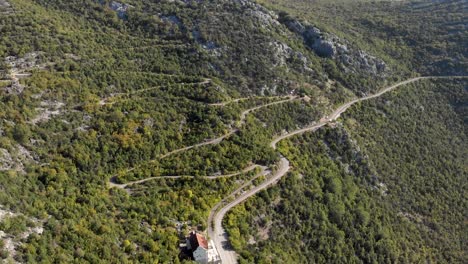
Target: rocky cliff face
349 59
328 45
247 45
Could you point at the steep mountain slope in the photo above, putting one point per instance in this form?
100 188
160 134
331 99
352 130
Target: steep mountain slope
88 93
93 92
428 36
384 186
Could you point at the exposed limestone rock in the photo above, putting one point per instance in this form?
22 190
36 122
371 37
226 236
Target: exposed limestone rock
211 47
47 110
4 4
172 20
12 242
19 68
324 48
282 53
263 15
5 7
6 161
331 46
15 158
30 60
120 8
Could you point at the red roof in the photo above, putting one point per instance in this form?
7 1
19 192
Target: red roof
202 241
197 240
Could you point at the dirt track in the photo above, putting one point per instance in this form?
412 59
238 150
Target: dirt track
215 228
243 116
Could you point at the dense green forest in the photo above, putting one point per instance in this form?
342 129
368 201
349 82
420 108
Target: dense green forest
383 185
89 93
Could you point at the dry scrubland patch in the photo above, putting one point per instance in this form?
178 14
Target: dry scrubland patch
15 229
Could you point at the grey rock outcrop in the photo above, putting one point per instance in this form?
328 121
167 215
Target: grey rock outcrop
264 16
282 53
324 48
328 45
314 38
120 8
5 7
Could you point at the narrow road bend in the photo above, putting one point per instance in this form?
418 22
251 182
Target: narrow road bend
243 116
215 228
113 181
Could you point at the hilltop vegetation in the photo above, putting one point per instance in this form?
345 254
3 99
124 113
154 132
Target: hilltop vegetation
86 95
89 92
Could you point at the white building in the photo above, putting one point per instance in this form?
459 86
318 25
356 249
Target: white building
203 251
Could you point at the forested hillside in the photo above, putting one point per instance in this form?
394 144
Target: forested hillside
383 185
185 97
427 36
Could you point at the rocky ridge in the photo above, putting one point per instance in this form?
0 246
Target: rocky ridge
329 45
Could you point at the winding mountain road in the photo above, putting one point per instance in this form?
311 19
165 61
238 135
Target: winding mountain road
113 182
122 96
243 116
336 114
216 231
215 228
248 111
245 98
229 102
218 140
